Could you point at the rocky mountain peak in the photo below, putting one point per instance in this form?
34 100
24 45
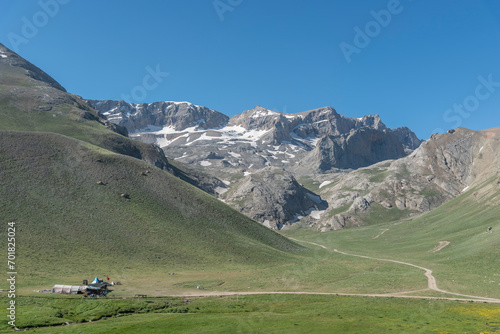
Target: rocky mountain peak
373 121
150 117
258 117
259 136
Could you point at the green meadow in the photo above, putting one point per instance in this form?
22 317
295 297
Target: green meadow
254 314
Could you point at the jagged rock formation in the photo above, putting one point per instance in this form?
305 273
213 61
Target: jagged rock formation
258 137
359 148
274 197
146 117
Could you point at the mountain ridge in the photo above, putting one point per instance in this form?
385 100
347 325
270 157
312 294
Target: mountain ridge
177 125
441 169
231 148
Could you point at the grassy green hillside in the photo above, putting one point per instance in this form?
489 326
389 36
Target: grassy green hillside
68 224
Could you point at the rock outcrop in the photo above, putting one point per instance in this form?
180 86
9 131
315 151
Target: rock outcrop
359 148
273 197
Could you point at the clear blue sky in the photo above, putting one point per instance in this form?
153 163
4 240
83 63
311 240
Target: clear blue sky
286 55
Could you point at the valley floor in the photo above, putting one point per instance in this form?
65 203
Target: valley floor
416 276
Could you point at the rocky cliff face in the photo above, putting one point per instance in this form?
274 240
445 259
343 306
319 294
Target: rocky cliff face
359 148
146 117
273 196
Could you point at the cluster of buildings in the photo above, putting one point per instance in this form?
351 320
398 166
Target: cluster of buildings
97 288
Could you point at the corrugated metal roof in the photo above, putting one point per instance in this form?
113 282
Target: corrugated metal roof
71 289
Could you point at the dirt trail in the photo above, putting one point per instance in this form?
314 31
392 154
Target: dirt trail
378 235
431 280
442 244
379 295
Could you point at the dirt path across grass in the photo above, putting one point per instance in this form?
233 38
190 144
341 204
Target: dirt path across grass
442 244
378 235
431 280
380 295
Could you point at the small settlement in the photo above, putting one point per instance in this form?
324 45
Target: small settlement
97 288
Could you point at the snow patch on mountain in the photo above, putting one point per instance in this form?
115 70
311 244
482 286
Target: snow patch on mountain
235 155
205 163
264 113
227 135
325 183
316 214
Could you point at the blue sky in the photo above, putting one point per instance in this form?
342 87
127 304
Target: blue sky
426 64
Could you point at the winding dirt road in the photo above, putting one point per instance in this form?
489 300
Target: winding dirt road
431 280
431 284
386 295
